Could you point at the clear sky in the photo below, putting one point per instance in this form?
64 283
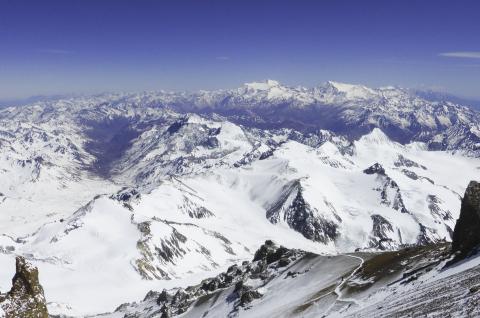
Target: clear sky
69 46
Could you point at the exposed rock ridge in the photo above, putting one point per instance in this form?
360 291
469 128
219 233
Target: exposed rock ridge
466 236
269 261
294 210
25 299
390 194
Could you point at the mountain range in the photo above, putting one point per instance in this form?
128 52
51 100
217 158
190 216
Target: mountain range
113 195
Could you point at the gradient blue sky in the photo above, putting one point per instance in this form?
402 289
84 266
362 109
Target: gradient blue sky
68 46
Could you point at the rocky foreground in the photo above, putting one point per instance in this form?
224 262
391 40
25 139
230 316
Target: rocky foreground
434 280
25 299
466 236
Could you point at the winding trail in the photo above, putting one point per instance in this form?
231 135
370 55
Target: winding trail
338 289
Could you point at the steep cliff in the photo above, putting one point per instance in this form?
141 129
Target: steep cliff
25 299
466 236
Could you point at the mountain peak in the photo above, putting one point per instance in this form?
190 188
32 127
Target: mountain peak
351 91
376 136
263 85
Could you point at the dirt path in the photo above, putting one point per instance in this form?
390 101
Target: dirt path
338 289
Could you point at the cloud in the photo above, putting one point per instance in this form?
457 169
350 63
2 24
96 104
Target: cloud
467 55
54 51
222 58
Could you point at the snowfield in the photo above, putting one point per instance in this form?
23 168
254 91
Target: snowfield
115 195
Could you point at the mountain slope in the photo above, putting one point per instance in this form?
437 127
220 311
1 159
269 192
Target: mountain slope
136 186
351 110
292 283
191 225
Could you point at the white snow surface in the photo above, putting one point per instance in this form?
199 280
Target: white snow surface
203 197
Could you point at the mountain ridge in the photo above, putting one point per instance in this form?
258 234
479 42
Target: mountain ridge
151 188
346 109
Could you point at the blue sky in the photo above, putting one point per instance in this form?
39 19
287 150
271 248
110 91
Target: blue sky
69 46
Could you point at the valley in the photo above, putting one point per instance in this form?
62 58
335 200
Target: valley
114 195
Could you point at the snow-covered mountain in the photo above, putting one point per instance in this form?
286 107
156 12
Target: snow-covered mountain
281 282
350 110
159 190
430 280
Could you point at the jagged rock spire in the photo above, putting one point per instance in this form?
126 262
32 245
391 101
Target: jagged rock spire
466 236
25 299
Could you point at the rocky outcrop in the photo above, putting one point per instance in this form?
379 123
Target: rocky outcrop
127 196
241 285
427 235
383 235
293 209
405 162
389 190
376 168
440 214
194 210
305 219
466 236
246 293
170 248
25 299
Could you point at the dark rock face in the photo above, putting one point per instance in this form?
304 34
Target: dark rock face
427 235
381 233
270 261
405 162
176 126
412 175
375 168
300 216
466 236
194 210
435 209
270 252
170 249
25 299
397 201
127 196
246 293
390 194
